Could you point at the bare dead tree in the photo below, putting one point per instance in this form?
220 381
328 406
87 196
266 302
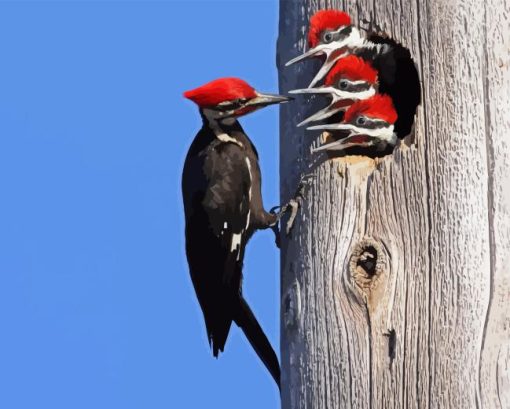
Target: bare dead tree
428 325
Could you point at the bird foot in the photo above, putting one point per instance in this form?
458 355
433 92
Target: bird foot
278 211
291 206
296 202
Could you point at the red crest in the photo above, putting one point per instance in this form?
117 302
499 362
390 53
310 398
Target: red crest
379 106
326 20
220 90
352 68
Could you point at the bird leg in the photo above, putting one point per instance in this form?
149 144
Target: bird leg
296 202
276 226
291 206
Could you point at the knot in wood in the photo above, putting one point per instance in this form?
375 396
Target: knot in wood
367 264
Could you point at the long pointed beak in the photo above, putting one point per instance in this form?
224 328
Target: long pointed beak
357 136
338 127
324 113
310 53
331 109
327 49
349 142
333 52
322 90
331 59
262 100
380 133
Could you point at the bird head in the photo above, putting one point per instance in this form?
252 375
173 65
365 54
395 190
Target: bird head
330 34
351 79
368 123
230 98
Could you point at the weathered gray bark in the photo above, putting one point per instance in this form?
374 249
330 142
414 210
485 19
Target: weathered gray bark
432 327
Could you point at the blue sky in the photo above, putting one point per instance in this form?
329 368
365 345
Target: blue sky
96 305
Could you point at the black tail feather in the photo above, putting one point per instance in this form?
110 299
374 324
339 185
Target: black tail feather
258 340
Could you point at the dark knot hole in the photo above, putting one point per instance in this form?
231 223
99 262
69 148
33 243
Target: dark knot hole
368 260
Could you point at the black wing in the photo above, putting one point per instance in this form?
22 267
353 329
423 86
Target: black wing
216 190
216 184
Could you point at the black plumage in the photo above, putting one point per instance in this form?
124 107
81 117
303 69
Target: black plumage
221 187
398 77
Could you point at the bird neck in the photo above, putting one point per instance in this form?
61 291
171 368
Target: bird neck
224 128
210 118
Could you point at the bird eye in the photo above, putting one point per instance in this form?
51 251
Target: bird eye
327 37
360 121
343 84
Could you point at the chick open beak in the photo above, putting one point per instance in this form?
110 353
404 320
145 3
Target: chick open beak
331 58
333 52
352 129
313 52
340 101
356 136
349 142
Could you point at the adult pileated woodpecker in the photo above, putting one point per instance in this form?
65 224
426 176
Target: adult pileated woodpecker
331 34
221 187
351 79
368 123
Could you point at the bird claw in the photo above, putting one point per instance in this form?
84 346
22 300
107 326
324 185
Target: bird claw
293 205
280 212
276 226
296 202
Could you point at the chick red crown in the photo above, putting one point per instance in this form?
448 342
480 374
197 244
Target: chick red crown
352 68
326 20
379 106
220 90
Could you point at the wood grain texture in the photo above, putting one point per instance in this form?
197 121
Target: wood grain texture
432 327
495 355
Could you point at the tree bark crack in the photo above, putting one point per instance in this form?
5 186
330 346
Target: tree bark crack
490 198
428 190
433 332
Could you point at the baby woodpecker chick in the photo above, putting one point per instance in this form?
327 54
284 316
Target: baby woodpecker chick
368 123
351 79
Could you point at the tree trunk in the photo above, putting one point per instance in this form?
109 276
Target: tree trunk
430 327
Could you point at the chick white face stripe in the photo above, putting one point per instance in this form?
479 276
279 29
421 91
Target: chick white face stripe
338 30
339 94
357 82
381 133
